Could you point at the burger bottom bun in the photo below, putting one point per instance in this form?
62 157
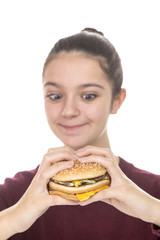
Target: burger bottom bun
65 195
81 189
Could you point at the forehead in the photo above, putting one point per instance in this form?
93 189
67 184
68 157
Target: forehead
74 68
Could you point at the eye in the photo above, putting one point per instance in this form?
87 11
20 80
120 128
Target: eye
89 97
54 97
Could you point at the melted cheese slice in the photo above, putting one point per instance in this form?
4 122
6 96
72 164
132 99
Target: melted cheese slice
76 183
85 196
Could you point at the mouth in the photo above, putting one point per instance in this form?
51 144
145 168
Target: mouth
73 127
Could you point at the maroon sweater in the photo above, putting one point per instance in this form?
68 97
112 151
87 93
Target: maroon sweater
95 221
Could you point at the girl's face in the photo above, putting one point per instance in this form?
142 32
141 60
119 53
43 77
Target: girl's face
78 100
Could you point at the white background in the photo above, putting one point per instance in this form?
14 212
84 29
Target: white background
28 30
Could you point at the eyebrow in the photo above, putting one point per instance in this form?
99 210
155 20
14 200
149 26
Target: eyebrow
54 84
85 85
91 85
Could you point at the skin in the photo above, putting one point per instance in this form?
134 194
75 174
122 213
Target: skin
66 77
137 203
78 114
68 81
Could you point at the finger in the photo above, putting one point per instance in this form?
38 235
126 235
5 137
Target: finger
88 150
56 156
58 200
61 149
47 173
108 163
97 197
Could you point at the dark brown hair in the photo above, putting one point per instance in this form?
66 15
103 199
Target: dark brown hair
93 43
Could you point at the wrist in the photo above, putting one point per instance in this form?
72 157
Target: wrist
8 223
156 212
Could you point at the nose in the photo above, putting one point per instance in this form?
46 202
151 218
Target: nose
70 108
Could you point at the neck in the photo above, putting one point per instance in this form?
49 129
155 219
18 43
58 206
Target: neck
102 141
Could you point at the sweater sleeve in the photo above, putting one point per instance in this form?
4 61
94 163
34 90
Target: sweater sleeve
13 188
155 230
149 182
3 204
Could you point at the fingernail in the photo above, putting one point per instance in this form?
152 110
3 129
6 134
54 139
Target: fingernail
82 159
79 154
74 156
70 163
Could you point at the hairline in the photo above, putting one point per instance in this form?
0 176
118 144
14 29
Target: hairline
100 59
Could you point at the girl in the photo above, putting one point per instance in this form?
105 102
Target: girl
82 80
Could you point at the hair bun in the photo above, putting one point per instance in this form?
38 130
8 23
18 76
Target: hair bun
92 30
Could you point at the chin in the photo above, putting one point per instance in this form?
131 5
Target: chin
77 141
74 142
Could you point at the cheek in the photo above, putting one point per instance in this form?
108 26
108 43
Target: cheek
97 113
52 112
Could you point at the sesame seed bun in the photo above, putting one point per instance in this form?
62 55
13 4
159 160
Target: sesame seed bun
80 171
94 176
65 195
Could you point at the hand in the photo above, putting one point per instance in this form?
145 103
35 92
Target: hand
36 199
123 194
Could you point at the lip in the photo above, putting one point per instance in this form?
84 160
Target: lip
73 127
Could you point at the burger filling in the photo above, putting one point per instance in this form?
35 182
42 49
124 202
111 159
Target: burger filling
77 183
85 196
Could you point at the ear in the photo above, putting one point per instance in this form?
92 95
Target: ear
117 102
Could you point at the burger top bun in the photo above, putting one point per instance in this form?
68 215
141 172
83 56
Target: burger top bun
80 171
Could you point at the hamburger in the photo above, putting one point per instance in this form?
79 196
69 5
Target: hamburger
79 182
